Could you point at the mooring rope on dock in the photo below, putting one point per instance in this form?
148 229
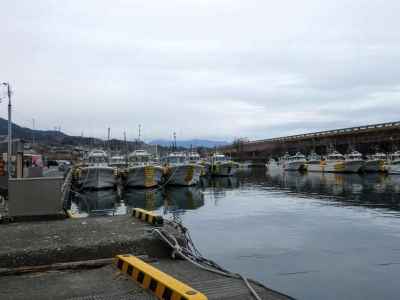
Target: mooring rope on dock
190 253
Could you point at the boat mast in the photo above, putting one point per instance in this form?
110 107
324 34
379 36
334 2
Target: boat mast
174 144
108 141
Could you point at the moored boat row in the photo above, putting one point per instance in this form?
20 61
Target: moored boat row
335 162
140 169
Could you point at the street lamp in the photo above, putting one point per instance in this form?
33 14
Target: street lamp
9 153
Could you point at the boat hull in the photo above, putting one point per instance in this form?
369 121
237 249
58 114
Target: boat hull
206 171
353 166
333 167
295 166
394 169
184 175
224 169
314 168
97 178
143 176
374 166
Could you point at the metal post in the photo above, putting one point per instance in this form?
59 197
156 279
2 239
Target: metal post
9 152
9 133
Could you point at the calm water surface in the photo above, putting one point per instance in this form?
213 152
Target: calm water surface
312 236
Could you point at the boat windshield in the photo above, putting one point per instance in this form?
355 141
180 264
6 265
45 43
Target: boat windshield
175 159
139 158
220 158
117 160
336 157
354 156
298 156
194 157
97 159
379 156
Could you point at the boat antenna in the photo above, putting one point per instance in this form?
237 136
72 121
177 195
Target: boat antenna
108 140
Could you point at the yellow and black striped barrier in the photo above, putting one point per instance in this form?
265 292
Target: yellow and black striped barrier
147 216
161 284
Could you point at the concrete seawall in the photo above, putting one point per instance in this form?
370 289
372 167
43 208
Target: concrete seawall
47 242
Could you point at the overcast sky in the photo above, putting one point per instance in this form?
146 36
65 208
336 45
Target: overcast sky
215 69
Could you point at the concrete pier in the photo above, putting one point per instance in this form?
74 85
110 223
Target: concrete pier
48 242
71 259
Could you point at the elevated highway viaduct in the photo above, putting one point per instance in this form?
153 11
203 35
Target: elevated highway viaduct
367 139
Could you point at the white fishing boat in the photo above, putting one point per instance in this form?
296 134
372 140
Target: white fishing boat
222 166
142 172
97 174
394 163
179 171
376 163
314 163
272 164
334 162
295 162
354 162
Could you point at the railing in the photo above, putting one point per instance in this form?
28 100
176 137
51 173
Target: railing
327 132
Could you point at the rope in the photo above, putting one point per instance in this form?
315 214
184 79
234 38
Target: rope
191 254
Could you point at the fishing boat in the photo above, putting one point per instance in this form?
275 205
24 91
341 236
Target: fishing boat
334 162
142 172
376 163
272 164
97 174
314 163
295 162
222 166
354 162
394 163
179 171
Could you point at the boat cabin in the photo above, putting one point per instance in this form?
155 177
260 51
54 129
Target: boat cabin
193 157
174 158
98 157
354 155
335 156
139 156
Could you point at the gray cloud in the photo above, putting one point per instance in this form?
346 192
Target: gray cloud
209 69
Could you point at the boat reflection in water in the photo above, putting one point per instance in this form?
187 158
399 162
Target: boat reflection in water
174 200
149 199
101 202
371 190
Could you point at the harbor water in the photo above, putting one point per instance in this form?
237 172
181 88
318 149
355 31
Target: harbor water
311 236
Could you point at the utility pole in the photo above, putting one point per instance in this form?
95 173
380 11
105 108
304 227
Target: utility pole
9 152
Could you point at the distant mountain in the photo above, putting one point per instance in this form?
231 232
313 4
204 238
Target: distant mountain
57 138
195 143
48 137
27 133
